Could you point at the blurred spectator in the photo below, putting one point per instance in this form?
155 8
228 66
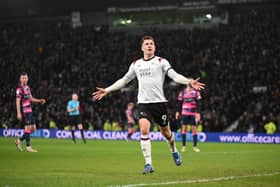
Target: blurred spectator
270 127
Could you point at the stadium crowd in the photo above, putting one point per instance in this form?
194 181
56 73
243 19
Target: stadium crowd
238 61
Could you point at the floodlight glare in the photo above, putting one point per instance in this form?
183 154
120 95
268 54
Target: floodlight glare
209 16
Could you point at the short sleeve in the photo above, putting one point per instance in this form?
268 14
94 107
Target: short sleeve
68 105
180 96
198 95
18 93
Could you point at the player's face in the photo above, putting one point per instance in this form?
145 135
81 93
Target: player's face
148 47
23 79
130 107
75 97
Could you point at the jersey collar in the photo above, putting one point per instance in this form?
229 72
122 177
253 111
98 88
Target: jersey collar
149 58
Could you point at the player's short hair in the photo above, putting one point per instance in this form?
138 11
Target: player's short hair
23 73
147 37
130 104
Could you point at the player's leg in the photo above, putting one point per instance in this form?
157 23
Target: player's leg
184 137
128 137
72 124
80 127
18 143
194 134
160 116
33 128
145 144
129 131
73 128
144 120
167 133
27 132
25 136
30 129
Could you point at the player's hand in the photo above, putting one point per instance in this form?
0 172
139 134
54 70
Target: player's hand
42 101
196 84
19 117
177 115
99 94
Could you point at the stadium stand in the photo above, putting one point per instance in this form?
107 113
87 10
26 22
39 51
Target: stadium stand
239 62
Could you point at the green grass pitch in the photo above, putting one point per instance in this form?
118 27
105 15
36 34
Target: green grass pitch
59 163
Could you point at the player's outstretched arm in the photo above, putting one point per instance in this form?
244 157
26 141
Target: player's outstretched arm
99 94
196 84
35 100
183 80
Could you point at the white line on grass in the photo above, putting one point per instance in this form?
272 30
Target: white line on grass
234 152
199 180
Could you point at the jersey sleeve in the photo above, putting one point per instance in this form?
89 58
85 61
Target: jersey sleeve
130 75
165 65
180 96
69 105
18 93
198 95
122 81
126 114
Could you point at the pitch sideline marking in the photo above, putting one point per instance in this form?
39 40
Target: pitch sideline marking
199 180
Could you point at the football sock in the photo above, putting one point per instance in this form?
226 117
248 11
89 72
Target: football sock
184 140
145 144
129 135
195 140
73 135
82 134
27 139
23 137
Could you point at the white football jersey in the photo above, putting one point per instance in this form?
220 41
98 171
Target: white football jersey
151 75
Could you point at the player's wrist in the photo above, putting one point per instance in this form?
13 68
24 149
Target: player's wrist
191 83
107 90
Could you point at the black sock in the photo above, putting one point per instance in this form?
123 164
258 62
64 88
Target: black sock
23 137
27 139
73 135
82 134
194 140
184 139
129 135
